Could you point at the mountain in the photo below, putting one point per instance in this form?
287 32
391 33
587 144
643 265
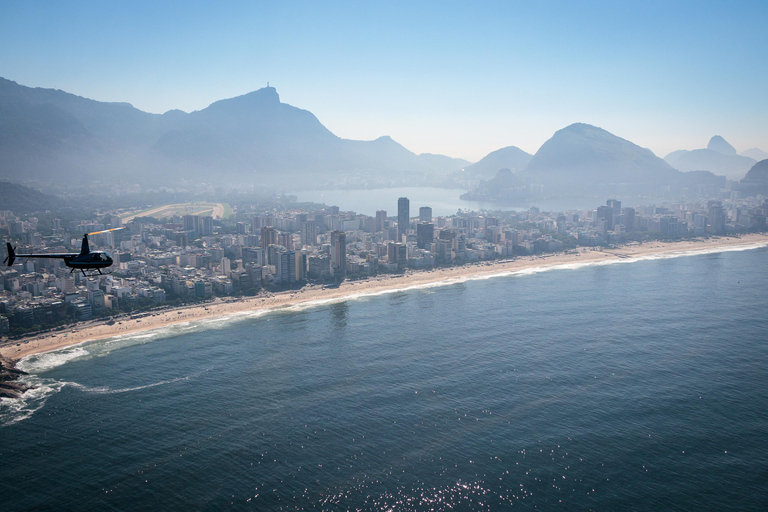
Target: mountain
581 158
719 157
440 162
755 154
53 135
719 144
511 157
20 199
756 180
758 172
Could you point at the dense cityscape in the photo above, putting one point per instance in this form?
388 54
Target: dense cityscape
190 258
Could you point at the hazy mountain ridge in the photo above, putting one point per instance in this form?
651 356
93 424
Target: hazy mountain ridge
510 157
755 154
582 156
254 138
441 161
584 160
719 157
20 199
51 134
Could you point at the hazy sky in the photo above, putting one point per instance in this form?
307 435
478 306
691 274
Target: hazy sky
458 78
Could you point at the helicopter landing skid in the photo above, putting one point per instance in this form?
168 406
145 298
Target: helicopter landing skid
97 272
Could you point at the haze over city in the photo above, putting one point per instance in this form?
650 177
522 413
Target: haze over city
451 78
383 256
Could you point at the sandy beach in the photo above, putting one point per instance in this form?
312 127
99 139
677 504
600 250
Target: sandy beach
18 349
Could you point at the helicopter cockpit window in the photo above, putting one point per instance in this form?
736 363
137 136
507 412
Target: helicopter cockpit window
101 256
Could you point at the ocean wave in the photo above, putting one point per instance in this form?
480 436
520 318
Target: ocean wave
39 363
14 410
106 390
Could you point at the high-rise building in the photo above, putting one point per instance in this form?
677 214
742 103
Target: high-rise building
205 225
669 226
309 233
339 254
381 221
561 224
189 222
254 274
606 213
253 254
320 223
425 234
397 253
286 240
716 218
96 300
629 218
286 267
615 205
318 267
425 214
301 265
268 236
273 253
403 217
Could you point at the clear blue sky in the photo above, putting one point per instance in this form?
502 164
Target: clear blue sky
457 78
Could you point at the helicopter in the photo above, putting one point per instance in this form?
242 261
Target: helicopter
82 261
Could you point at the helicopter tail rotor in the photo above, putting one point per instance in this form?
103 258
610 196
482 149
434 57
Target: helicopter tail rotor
11 255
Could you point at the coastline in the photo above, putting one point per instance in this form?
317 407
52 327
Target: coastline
47 342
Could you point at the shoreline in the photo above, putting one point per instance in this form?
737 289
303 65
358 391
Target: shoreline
19 349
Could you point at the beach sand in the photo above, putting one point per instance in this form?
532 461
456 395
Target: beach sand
19 349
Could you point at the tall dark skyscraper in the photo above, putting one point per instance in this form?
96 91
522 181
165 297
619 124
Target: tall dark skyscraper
403 217
425 234
616 205
338 255
629 218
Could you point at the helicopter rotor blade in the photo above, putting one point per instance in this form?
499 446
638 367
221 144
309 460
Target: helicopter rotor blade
105 231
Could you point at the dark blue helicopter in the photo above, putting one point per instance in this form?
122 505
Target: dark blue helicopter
82 261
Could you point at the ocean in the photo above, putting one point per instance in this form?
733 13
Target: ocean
638 385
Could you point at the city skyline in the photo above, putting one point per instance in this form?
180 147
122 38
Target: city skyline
448 78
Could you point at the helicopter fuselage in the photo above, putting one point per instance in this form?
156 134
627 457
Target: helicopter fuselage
92 260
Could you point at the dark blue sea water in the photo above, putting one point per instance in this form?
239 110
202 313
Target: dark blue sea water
633 386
